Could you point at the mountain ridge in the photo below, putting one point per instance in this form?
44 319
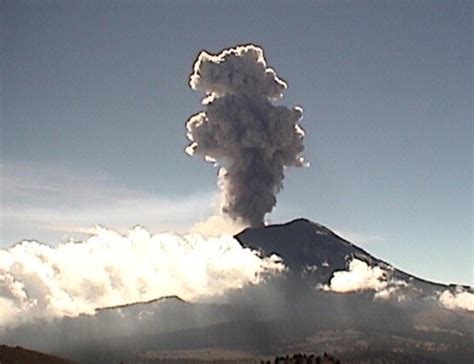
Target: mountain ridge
301 220
248 239
297 310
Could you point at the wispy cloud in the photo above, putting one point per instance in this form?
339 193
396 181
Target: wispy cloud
47 202
359 238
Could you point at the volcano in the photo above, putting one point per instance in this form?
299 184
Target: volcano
332 297
313 254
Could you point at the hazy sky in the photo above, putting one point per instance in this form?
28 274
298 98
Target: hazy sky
94 98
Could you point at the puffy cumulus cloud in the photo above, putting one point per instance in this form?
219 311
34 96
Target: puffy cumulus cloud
362 277
108 269
458 300
8 312
240 129
359 276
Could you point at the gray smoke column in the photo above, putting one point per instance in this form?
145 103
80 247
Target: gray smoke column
242 131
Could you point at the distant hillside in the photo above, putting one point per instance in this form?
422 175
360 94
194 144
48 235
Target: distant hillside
18 355
141 303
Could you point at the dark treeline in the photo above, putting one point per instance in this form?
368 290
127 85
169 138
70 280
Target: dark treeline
304 359
294 359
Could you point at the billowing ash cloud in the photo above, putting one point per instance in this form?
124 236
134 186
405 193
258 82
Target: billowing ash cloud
240 130
108 269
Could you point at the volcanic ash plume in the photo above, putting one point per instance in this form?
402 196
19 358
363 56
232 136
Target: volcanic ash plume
242 132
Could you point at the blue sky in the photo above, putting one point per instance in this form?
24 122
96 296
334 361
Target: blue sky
95 98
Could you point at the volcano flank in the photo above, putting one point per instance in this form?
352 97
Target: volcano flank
331 297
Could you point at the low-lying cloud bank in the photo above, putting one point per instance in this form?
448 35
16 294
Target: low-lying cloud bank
457 300
108 269
362 277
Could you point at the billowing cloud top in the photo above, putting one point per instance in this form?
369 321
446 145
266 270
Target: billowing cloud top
240 130
360 276
459 300
108 269
240 70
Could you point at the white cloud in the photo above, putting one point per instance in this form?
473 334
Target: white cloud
54 203
109 269
113 265
458 300
362 277
359 277
358 237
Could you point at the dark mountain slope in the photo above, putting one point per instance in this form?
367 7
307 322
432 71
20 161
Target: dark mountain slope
311 250
17 355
